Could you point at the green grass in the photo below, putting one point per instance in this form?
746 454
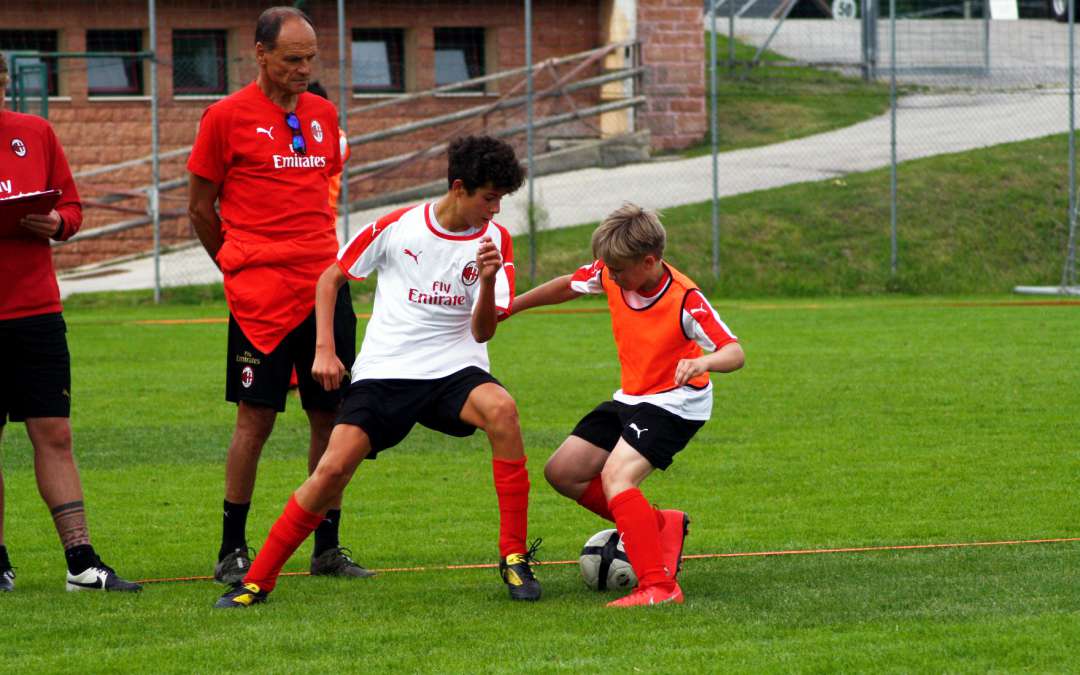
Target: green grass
981 221
776 102
857 422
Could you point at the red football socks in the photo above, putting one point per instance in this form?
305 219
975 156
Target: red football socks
593 499
636 521
289 531
512 488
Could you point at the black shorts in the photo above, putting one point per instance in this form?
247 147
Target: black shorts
263 379
35 368
387 409
654 432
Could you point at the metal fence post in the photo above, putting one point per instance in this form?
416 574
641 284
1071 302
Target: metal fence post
155 152
713 133
730 31
869 39
892 137
530 207
1068 274
343 117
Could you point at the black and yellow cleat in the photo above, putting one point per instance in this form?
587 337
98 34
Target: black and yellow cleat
518 576
241 595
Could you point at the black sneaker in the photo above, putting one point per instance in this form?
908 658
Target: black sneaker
232 568
99 577
518 576
335 562
7 580
240 596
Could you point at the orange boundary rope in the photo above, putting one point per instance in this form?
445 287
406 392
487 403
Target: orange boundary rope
361 315
699 556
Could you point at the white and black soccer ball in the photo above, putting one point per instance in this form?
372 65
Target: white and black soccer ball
604 564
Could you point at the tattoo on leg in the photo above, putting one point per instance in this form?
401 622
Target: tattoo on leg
70 521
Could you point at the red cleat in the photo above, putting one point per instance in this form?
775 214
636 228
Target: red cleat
651 595
676 527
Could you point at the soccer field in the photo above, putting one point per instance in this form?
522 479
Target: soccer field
856 423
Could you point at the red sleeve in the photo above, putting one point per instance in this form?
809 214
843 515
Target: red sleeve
588 278
506 249
587 273
700 311
69 207
208 158
358 258
336 161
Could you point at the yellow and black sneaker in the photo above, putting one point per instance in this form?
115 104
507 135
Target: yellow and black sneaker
241 595
518 576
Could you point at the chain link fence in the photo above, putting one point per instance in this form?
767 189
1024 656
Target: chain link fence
952 142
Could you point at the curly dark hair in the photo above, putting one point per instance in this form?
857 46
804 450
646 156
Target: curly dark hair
479 160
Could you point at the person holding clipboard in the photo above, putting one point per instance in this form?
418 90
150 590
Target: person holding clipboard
39 203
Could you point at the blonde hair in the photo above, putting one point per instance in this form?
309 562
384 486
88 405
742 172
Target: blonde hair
3 72
629 233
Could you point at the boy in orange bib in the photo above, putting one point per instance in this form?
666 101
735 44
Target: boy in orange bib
663 326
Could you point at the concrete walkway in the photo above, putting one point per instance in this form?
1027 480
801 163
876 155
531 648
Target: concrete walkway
927 125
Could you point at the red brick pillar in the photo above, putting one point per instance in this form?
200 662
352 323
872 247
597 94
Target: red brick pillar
672 39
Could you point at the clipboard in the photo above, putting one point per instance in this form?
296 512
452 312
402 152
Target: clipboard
12 209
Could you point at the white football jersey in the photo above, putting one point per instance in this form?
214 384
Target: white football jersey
420 328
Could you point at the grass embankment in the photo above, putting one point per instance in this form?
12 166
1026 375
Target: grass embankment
980 221
774 102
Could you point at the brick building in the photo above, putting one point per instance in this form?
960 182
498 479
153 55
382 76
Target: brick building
100 106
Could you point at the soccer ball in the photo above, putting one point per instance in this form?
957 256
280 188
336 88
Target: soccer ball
604 564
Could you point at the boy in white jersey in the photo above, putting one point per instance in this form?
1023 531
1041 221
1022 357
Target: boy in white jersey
445 277
661 322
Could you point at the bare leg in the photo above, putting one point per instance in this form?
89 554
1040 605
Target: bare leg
322 425
625 469
253 426
58 478
574 465
491 408
347 447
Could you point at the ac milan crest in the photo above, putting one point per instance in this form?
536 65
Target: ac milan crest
316 131
247 377
18 147
471 273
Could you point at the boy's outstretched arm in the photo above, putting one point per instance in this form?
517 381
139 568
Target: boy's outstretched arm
327 369
728 358
552 292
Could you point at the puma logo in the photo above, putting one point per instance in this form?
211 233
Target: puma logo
699 310
269 132
414 256
634 426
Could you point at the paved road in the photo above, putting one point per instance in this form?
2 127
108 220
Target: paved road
946 52
927 125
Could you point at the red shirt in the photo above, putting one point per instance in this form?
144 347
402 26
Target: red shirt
31 159
276 220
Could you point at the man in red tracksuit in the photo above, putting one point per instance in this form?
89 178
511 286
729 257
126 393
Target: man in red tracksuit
265 156
35 366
